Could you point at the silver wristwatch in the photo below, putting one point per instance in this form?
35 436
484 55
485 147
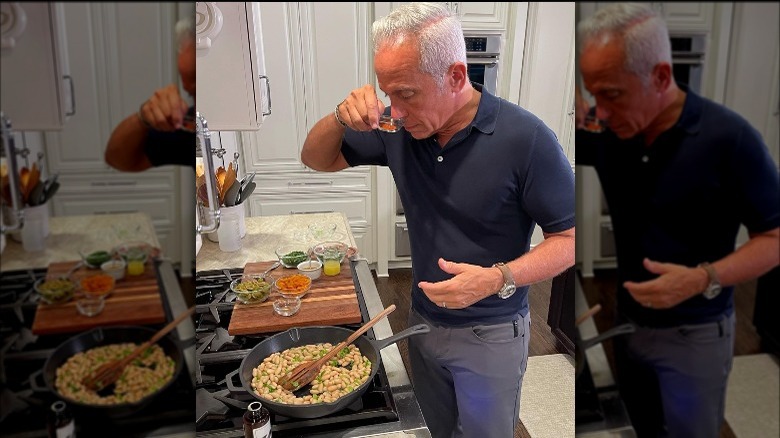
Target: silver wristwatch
713 287
508 289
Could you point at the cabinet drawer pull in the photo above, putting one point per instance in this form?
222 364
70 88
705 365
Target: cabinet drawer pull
318 183
310 212
72 96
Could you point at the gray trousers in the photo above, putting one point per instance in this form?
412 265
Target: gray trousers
467 380
673 380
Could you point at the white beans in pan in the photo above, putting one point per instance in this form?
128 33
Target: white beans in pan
150 371
337 378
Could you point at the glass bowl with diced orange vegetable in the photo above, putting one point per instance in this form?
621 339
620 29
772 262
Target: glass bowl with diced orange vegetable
98 285
294 285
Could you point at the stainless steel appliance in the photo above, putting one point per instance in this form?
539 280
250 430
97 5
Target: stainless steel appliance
688 56
387 408
482 58
25 399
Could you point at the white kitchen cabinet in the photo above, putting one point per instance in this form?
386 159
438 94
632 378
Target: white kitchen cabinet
36 82
681 17
230 51
120 54
311 74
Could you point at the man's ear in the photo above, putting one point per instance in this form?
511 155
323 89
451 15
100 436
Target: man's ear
662 76
457 78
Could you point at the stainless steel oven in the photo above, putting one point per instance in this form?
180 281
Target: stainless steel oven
482 58
688 56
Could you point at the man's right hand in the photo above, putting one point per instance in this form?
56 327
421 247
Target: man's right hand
361 109
165 110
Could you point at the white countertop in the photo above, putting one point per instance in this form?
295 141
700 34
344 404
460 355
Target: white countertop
266 233
69 234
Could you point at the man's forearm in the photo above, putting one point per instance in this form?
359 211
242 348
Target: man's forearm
756 257
552 256
125 150
322 147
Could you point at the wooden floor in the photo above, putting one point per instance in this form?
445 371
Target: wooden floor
396 289
601 289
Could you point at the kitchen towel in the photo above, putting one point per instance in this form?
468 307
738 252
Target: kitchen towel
547 396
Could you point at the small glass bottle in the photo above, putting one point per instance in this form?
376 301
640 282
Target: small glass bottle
61 423
257 421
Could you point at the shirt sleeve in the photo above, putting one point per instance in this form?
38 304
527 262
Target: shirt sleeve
548 190
176 147
364 148
759 182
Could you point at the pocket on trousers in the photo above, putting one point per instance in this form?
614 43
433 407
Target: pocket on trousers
498 333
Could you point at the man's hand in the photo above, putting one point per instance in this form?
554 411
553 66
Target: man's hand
675 284
361 109
165 110
470 284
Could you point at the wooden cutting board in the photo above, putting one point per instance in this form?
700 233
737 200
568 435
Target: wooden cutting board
135 300
330 301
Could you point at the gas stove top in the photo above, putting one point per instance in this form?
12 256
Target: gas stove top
221 400
25 399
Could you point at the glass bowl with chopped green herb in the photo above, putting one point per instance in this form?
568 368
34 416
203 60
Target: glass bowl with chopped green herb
291 255
251 288
55 291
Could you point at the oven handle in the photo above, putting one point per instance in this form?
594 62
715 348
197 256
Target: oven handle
482 61
688 61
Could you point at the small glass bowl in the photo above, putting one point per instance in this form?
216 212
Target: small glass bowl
320 231
287 306
252 296
389 124
310 268
291 255
90 305
97 285
331 250
62 294
115 268
94 258
301 292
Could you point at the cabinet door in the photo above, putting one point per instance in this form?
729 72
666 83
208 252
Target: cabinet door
232 87
36 88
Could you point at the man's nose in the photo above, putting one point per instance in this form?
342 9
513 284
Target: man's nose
602 113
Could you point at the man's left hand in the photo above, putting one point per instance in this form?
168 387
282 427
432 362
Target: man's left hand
470 284
675 284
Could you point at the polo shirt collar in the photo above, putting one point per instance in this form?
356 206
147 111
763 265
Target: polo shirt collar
487 112
690 118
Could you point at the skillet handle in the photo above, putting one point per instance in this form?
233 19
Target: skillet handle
34 382
229 381
418 329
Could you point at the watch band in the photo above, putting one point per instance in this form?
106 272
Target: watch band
506 273
711 274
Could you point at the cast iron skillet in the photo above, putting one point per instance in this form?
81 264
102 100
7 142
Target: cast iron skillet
104 336
296 337
581 345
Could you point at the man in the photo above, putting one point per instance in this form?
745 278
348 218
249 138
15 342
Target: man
475 173
680 174
162 131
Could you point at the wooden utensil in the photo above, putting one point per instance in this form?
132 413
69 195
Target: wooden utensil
108 373
307 371
590 312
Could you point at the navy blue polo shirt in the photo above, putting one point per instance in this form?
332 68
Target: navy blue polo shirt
476 200
682 199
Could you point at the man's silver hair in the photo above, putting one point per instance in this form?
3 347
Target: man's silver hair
643 31
185 32
437 30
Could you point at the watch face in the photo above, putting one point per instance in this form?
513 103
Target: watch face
712 291
507 291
